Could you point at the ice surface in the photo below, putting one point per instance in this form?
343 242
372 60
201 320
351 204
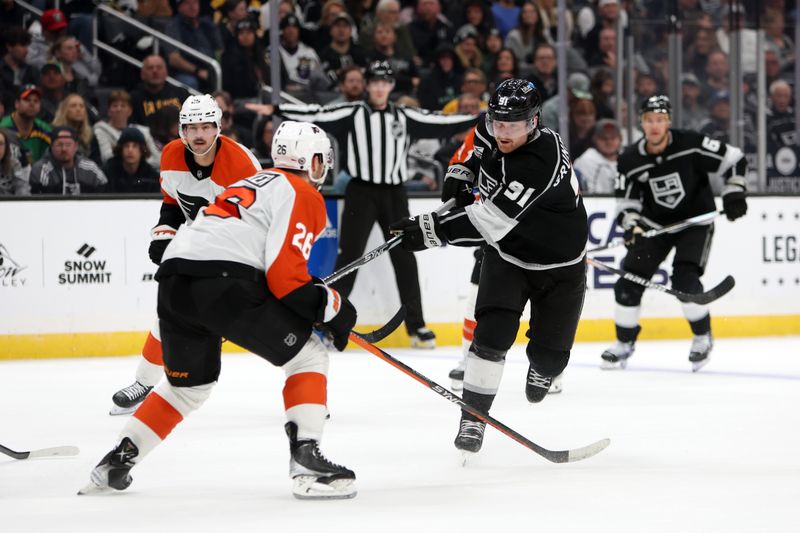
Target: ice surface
706 452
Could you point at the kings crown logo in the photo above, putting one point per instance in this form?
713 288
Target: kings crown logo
10 270
86 270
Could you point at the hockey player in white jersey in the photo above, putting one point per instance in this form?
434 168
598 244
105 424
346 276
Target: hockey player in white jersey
194 169
240 272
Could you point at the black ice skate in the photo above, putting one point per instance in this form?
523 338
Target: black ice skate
701 347
423 339
127 400
113 471
315 477
470 437
536 386
617 355
457 376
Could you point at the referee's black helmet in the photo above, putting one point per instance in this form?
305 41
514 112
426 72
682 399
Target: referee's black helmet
380 70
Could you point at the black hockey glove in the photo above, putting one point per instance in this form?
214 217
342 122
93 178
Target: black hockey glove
734 201
458 182
337 316
419 233
162 235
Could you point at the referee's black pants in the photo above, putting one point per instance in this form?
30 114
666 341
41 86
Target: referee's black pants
364 204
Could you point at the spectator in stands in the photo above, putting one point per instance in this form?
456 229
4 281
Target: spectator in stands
164 125
244 68
466 104
72 112
718 123
548 11
304 72
693 114
154 93
443 82
199 34
529 33
781 128
597 166
66 51
155 13
774 26
128 170
605 54
351 85
13 173
12 15
429 30
505 67
263 140
506 16
233 12
581 127
321 37
472 84
602 89
54 28
608 13
733 19
476 14
108 132
544 73
717 70
646 86
698 51
229 126
64 169
53 87
388 12
341 50
385 49
494 43
466 48
15 71
578 84
32 132
774 68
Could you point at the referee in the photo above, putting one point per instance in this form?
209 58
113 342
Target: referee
375 136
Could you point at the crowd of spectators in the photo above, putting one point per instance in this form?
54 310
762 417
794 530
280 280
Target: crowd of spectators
447 55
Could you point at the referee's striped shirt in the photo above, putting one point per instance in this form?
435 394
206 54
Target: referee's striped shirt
375 143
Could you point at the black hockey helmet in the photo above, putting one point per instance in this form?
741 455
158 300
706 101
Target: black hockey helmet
515 100
380 70
656 104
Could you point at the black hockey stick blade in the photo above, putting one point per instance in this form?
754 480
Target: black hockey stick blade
387 329
561 456
58 451
701 298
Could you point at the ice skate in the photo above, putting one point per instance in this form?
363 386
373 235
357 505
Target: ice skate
470 438
423 339
536 386
315 477
127 400
555 386
113 471
701 348
457 376
617 355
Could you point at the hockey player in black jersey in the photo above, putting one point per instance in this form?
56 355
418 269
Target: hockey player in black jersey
663 178
534 224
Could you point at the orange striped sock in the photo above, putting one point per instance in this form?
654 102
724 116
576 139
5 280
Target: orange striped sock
152 350
158 415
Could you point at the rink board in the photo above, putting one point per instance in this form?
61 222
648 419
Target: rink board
75 278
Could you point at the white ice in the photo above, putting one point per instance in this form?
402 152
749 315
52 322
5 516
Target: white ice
715 451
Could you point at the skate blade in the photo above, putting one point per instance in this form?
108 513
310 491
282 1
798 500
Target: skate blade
697 365
555 390
91 488
457 385
308 488
465 457
423 345
116 410
622 364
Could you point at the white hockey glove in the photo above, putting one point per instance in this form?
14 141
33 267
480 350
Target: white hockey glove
161 237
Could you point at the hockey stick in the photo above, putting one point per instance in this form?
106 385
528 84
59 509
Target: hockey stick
379 251
705 217
384 331
58 451
565 456
701 298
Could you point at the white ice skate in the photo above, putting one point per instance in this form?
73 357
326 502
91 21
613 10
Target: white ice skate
616 357
701 348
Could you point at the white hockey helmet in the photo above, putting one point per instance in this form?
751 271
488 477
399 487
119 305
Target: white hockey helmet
199 109
295 144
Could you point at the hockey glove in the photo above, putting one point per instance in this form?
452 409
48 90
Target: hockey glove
734 201
161 235
337 316
419 233
458 182
634 227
